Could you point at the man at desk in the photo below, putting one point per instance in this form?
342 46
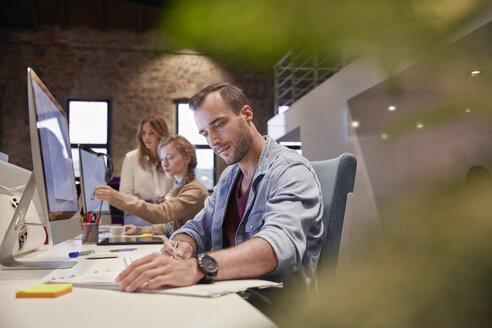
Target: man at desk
263 218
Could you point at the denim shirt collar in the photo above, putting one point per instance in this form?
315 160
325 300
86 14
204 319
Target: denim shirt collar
268 154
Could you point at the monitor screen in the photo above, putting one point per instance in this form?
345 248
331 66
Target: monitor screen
92 173
52 177
52 162
58 172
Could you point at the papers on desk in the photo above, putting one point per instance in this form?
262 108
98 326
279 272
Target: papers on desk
105 280
219 288
95 279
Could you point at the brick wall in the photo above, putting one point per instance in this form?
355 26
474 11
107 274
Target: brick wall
121 66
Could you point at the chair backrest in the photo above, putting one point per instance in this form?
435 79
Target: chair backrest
337 177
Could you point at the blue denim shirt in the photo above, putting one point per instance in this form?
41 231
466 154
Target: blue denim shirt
284 208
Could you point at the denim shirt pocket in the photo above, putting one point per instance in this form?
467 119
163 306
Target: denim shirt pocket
255 221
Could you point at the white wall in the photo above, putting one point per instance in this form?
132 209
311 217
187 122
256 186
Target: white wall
323 118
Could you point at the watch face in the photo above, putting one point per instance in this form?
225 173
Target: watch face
208 264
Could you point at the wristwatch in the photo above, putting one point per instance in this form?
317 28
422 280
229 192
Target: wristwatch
208 266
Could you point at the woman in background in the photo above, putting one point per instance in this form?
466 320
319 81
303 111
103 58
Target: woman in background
142 176
178 158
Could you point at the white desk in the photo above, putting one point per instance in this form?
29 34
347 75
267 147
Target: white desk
85 307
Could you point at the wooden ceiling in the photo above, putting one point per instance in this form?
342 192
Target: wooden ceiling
102 15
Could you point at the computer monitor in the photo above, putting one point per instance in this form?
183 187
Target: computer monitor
53 177
93 172
13 180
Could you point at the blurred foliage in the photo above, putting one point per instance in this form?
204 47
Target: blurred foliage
433 266
255 34
395 29
439 114
444 79
432 269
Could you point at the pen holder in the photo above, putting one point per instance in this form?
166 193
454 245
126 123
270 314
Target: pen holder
90 233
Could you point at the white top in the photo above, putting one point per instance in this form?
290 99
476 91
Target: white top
142 183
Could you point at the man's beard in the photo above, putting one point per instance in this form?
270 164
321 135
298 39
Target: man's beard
242 144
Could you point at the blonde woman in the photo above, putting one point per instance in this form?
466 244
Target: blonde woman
178 160
142 176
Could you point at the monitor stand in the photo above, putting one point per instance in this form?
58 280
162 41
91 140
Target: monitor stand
7 261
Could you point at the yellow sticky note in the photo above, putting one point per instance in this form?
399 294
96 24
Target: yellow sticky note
44 290
144 235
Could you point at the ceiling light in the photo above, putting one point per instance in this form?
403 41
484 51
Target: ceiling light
419 125
355 124
475 73
467 110
391 108
384 136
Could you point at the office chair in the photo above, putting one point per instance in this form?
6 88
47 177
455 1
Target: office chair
336 177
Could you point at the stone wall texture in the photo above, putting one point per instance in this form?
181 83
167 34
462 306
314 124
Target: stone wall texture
124 67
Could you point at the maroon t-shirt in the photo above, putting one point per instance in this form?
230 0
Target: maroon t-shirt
235 212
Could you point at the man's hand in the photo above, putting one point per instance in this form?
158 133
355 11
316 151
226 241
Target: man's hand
104 193
182 251
157 270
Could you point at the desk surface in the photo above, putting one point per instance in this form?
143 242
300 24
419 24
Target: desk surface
85 307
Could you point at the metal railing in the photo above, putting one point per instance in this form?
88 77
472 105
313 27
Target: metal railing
298 72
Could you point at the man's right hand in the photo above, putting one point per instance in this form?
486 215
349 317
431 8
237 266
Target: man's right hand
183 251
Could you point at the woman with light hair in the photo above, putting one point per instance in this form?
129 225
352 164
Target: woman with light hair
178 158
142 176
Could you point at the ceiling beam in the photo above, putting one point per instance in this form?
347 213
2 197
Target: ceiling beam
62 14
33 13
139 18
101 14
4 12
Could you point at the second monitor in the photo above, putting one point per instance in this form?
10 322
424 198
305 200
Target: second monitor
93 172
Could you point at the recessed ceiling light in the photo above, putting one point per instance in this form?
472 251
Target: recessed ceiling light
419 125
475 73
391 108
384 136
355 124
467 110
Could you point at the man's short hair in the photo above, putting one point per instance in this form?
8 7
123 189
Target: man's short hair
231 95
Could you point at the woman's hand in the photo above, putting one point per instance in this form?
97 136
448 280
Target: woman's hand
104 193
159 200
130 229
182 250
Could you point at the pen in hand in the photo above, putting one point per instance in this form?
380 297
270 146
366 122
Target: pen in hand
93 195
175 246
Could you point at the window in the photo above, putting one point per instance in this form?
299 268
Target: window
186 127
88 124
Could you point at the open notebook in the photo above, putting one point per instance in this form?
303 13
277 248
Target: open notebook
104 279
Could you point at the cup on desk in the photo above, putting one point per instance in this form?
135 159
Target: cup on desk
116 231
90 233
